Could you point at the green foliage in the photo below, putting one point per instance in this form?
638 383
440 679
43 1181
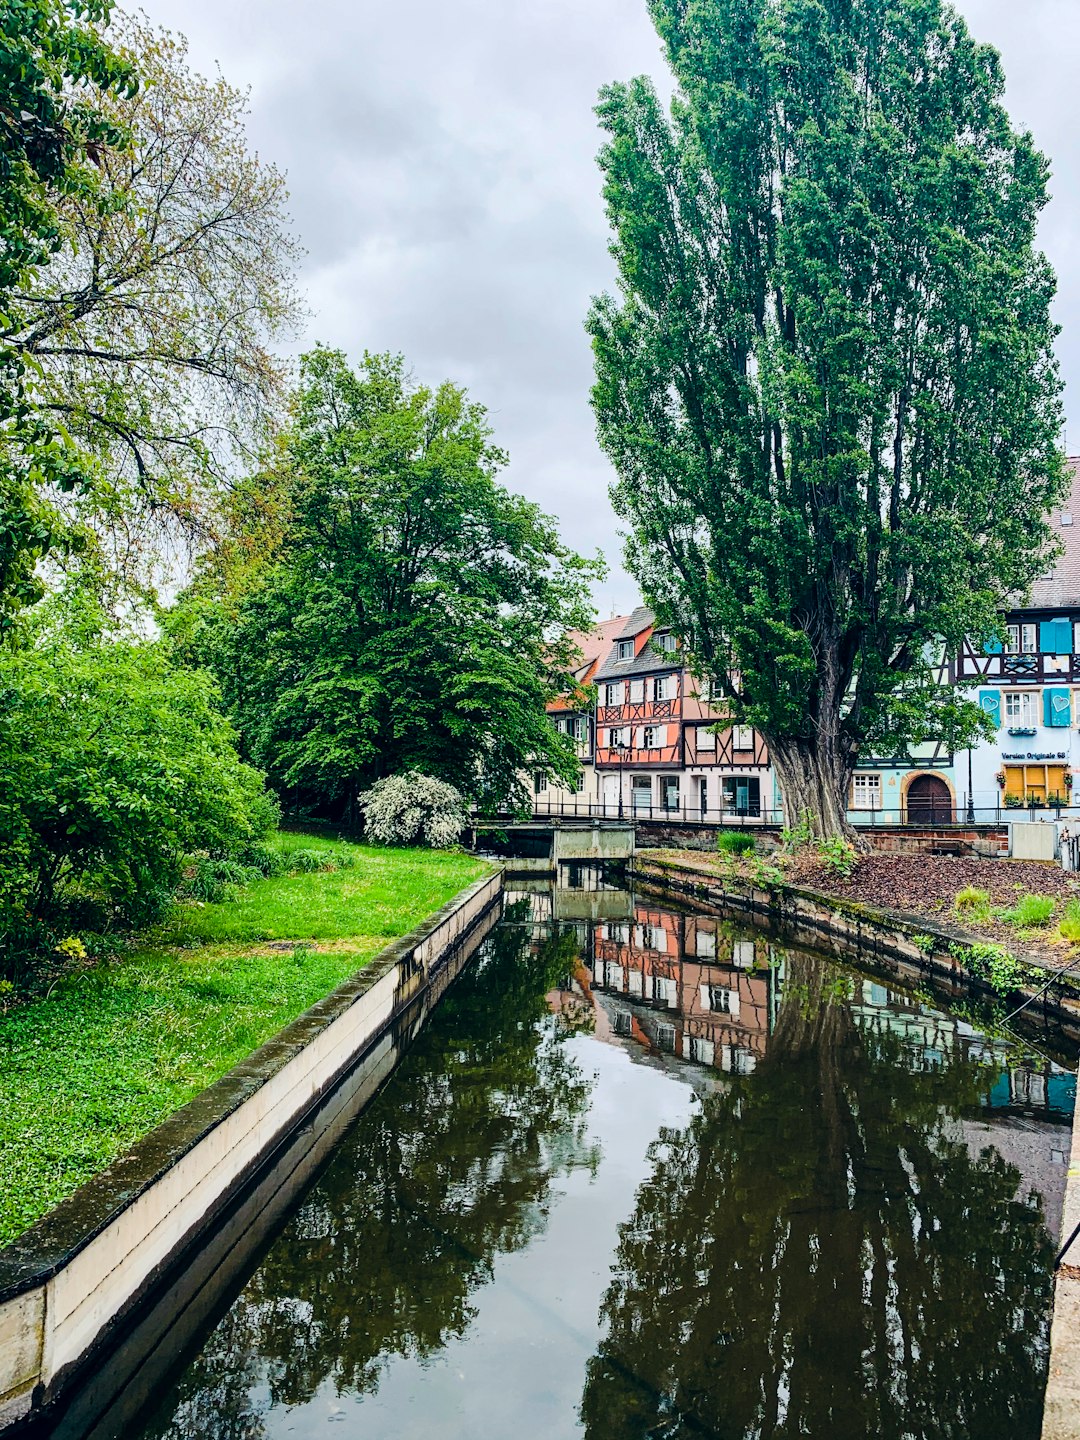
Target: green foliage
1030 911
117 1049
1070 922
827 383
416 617
924 944
735 842
55 71
413 809
972 903
838 856
113 767
990 962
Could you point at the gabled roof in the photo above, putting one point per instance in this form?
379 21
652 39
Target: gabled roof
642 618
594 645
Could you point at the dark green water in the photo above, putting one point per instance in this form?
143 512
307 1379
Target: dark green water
649 1177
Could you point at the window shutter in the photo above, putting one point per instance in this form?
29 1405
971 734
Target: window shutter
992 646
990 701
1057 707
1055 637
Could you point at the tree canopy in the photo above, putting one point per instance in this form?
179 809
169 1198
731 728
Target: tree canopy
56 74
151 330
827 383
415 615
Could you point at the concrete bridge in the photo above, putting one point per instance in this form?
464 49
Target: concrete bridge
545 843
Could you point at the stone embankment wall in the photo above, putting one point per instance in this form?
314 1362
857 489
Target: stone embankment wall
70 1283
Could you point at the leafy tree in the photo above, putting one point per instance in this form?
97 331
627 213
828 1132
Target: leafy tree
152 327
56 72
417 615
113 766
827 385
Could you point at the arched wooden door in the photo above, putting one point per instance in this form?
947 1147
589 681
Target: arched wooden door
929 801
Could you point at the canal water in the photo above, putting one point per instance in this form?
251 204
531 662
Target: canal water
650 1176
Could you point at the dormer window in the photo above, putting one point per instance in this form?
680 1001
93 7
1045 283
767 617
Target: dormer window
667 643
624 650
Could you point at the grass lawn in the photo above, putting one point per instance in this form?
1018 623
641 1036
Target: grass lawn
113 1051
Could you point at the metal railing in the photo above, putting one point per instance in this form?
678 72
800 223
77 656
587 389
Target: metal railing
930 813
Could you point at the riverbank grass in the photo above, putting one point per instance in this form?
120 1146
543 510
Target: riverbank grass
115 1050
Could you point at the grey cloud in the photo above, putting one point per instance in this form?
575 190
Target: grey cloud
441 160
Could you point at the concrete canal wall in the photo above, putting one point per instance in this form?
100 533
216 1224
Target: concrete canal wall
1061 1418
71 1285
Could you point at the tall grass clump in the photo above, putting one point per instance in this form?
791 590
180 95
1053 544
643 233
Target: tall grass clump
735 842
1030 912
972 903
1070 922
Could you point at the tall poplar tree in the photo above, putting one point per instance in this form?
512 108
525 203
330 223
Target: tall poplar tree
827 383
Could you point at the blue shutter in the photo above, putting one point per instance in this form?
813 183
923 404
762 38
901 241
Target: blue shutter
992 646
1055 637
990 701
1056 707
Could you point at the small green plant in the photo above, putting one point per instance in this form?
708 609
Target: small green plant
763 872
735 842
972 903
1070 922
71 948
990 962
838 856
923 943
1029 912
797 836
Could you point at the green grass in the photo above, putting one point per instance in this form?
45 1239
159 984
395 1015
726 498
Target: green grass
113 1051
735 842
973 904
1030 912
1070 922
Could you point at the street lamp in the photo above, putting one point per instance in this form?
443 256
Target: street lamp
622 749
971 795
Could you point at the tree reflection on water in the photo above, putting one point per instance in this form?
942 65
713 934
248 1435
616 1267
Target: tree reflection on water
452 1167
817 1253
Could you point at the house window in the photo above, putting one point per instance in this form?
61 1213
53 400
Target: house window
702 1051
1023 639
1021 709
743 737
649 737
666 643
1013 647
540 783
866 792
615 693
663 687
669 792
579 783
624 1022
625 650
720 999
742 794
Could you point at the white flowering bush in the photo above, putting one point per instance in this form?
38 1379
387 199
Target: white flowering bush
413 809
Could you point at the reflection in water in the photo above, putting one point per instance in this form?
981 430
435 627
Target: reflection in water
778 1198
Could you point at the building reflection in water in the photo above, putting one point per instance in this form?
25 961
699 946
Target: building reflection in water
705 991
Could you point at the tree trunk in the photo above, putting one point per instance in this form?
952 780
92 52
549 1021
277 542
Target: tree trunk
814 777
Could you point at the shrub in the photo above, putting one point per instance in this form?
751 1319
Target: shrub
735 842
413 809
114 766
1030 911
214 880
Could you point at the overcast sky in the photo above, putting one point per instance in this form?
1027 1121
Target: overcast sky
441 159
